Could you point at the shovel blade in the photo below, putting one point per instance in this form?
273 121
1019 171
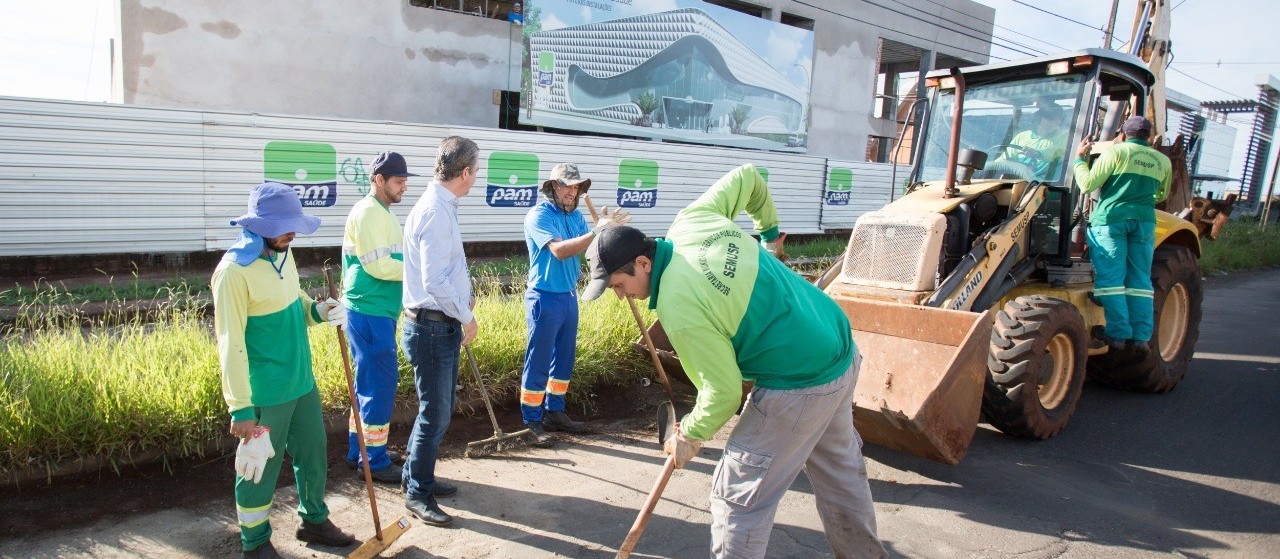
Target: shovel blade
666 422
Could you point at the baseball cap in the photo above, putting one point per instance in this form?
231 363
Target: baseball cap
390 164
612 249
566 174
1136 127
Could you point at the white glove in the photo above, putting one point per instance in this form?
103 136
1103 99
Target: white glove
608 220
682 447
332 312
774 247
253 453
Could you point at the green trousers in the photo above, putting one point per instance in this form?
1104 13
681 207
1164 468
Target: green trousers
297 428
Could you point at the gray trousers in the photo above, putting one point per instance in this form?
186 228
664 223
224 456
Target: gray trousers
780 432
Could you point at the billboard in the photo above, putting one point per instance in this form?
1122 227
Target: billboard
680 70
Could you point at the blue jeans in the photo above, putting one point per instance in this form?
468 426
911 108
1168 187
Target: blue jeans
1121 254
432 348
373 351
548 358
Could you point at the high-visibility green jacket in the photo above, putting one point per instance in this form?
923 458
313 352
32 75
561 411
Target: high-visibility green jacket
260 318
372 260
735 312
1133 177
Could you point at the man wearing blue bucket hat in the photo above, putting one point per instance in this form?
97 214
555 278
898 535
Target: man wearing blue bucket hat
260 319
372 275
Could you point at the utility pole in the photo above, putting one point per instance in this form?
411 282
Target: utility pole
1111 25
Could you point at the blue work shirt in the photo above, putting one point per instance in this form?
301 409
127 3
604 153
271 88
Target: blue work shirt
544 223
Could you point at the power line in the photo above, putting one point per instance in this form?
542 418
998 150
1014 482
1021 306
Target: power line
1221 63
93 48
993 36
1075 21
993 24
984 39
1208 84
1179 5
878 26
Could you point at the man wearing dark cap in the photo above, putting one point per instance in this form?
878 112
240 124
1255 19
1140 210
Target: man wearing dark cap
733 311
260 318
1130 177
555 233
372 273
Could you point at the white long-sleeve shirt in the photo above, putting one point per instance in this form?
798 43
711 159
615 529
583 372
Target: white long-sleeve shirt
435 269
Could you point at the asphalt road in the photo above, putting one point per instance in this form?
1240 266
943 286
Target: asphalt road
1191 473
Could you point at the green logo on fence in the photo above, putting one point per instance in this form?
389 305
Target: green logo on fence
309 167
839 186
513 179
637 183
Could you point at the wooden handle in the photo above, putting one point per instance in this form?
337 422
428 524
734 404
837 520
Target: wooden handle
642 520
355 406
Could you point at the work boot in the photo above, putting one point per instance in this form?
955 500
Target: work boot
1114 344
1138 347
428 511
324 533
264 551
539 434
559 421
389 475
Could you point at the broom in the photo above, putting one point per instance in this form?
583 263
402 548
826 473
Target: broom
499 441
382 539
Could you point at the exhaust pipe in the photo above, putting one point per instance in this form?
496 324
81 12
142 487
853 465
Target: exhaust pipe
949 191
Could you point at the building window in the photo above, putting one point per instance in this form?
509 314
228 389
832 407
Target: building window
878 149
797 21
495 9
743 7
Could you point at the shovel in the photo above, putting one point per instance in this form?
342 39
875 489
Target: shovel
666 430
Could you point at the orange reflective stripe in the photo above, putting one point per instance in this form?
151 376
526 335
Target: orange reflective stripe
557 387
531 398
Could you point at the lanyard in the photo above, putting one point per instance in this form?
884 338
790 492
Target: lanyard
279 270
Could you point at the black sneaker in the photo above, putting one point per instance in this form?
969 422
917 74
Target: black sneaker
428 511
264 551
324 533
389 475
559 421
540 437
395 457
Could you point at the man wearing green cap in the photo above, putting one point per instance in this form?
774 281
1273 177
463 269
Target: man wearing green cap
260 317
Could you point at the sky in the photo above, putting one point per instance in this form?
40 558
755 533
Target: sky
60 49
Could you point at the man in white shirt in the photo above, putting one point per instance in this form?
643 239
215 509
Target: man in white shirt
438 318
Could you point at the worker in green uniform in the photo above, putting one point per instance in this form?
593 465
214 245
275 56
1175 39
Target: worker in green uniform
260 317
733 311
1130 178
1040 149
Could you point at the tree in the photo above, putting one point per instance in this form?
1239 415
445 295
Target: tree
647 102
738 119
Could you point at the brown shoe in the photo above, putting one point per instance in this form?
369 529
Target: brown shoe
324 533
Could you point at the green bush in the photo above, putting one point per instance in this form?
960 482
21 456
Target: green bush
1240 246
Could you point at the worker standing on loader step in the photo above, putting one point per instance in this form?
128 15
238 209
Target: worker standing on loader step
438 319
372 274
733 311
1131 177
556 234
260 316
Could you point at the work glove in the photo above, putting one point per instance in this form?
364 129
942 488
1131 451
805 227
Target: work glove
611 219
681 447
332 312
253 453
774 247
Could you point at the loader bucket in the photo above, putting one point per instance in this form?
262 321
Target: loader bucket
923 370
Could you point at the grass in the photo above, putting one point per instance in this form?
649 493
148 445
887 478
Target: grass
1240 246
155 385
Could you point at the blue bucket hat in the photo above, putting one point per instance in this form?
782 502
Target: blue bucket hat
274 209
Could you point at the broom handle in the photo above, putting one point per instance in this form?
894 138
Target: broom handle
644 331
355 406
642 520
497 431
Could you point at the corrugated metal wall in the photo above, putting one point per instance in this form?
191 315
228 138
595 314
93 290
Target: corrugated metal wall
83 178
869 191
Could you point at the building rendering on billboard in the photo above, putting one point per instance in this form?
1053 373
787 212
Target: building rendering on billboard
685 74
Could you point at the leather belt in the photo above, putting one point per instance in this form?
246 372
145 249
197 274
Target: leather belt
431 314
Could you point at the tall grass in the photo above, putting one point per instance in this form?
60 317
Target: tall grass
112 392
1240 246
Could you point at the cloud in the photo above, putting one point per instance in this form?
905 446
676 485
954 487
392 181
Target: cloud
785 47
551 22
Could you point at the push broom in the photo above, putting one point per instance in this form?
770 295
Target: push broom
383 538
499 441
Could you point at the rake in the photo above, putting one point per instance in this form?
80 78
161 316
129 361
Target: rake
499 441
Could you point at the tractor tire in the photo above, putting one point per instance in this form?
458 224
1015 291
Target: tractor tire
1179 290
1036 366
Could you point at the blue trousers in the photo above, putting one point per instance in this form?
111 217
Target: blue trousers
373 349
1121 254
432 348
549 354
